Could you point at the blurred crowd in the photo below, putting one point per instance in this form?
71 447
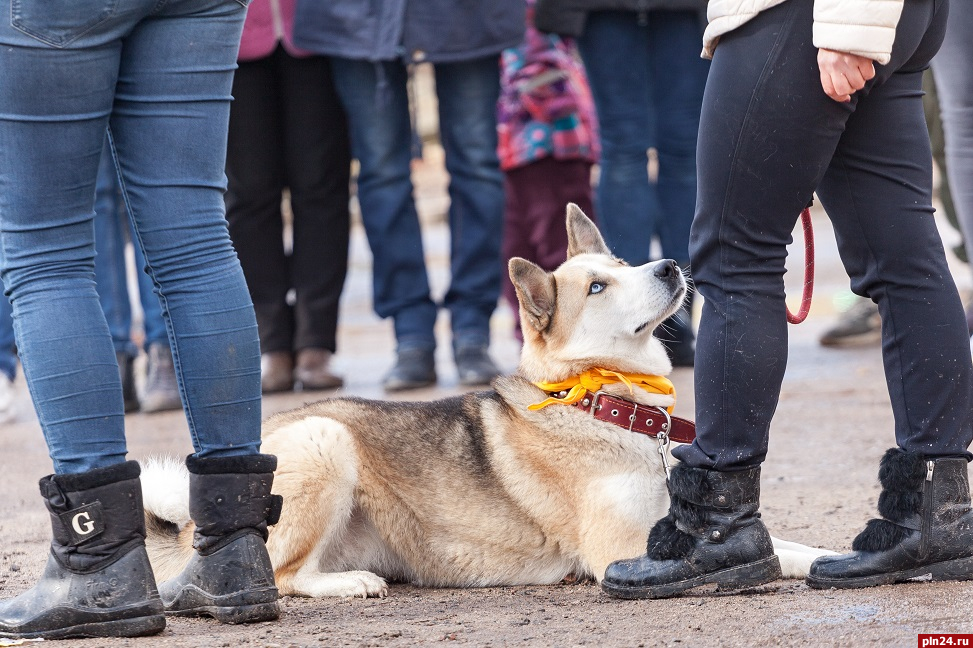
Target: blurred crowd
540 103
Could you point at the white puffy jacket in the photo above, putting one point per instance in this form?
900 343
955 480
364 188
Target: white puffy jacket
863 27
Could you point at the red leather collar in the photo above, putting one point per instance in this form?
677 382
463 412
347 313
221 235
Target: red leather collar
635 417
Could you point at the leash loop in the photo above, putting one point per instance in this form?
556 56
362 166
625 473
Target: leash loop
808 270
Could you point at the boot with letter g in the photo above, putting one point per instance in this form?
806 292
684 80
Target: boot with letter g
98 581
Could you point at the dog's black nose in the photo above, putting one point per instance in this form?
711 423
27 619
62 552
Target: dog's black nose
667 269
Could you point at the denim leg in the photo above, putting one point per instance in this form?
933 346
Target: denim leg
678 77
153 324
168 104
615 50
8 359
48 169
954 84
111 226
760 160
169 129
468 93
375 100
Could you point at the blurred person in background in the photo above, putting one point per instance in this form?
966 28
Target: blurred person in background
288 131
8 360
647 77
548 143
954 85
372 46
113 231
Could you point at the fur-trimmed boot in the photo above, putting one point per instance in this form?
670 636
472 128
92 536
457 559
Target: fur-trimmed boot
712 535
229 577
98 581
926 528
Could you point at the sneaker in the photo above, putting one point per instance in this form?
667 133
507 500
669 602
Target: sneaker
276 372
6 398
313 370
414 368
861 324
475 366
161 389
126 371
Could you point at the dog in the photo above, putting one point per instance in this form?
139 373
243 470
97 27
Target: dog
510 486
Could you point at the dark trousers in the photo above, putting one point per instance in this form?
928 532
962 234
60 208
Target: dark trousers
288 130
769 137
536 197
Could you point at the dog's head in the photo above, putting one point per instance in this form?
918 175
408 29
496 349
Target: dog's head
594 310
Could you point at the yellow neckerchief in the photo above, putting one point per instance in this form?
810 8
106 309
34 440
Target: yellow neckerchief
593 379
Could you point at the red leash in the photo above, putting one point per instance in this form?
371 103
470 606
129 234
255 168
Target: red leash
808 270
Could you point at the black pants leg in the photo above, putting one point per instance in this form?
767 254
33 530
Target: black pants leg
770 137
318 166
287 129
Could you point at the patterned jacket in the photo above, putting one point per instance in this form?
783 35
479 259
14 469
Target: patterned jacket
545 107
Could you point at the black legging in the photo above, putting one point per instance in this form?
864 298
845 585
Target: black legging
769 137
288 129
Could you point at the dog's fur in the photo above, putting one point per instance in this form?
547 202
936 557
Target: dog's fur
474 490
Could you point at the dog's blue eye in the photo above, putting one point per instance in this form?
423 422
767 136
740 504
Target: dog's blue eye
595 287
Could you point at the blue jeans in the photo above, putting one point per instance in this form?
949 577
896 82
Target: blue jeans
8 359
158 77
111 275
377 104
954 85
770 138
647 81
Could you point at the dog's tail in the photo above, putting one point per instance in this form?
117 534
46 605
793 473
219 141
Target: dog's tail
168 527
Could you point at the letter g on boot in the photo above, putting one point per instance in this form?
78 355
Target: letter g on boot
84 522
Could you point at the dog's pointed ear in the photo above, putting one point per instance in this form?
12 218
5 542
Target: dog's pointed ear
536 291
583 236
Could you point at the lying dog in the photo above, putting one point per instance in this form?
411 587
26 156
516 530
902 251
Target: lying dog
518 485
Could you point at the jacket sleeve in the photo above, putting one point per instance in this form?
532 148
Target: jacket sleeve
862 27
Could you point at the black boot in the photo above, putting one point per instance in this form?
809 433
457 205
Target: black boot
230 577
926 530
712 535
678 337
98 581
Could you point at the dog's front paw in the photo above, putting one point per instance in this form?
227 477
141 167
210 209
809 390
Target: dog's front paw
357 584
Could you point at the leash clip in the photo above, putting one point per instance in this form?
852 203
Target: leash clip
663 440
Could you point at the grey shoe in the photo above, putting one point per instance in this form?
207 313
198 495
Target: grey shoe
161 389
414 368
474 365
6 398
859 325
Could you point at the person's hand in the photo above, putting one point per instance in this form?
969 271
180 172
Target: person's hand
842 74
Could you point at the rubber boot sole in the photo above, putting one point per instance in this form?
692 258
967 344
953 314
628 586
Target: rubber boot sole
134 627
733 578
960 569
236 608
